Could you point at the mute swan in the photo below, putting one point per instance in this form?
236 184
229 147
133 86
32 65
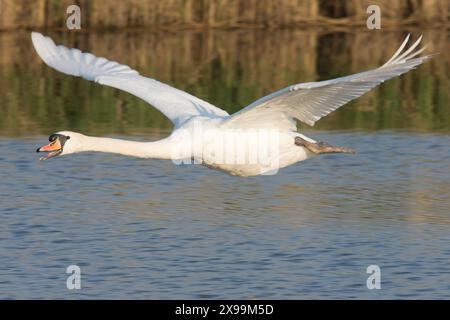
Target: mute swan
258 139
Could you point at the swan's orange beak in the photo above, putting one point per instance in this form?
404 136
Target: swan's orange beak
54 148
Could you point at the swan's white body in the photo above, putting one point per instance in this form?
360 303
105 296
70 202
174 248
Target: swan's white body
265 130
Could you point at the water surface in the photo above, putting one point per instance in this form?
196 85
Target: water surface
230 69
149 229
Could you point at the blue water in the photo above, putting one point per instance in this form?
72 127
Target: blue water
149 229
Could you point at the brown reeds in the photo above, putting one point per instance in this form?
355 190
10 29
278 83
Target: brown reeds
194 14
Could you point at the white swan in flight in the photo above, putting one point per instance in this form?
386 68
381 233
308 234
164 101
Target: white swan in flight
258 139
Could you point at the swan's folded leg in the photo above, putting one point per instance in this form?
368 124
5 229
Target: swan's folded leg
321 147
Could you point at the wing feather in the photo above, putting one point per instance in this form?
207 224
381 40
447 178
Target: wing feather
309 102
176 104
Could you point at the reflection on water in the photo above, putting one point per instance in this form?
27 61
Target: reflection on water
228 68
149 229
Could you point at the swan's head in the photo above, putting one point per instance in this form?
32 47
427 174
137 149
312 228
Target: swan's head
62 143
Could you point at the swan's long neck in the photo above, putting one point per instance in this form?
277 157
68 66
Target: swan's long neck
158 149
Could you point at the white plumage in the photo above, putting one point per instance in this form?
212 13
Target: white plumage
175 104
307 102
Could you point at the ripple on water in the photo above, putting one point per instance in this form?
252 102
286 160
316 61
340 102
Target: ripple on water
161 231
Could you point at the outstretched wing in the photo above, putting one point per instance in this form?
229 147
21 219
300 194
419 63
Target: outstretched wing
175 104
308 102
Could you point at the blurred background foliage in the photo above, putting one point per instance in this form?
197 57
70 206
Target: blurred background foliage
176 14
226 52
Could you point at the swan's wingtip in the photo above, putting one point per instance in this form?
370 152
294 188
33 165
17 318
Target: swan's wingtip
407 38
431 55
420 38
36 38
35 35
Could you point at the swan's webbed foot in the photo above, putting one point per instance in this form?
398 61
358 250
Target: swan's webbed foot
321 147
